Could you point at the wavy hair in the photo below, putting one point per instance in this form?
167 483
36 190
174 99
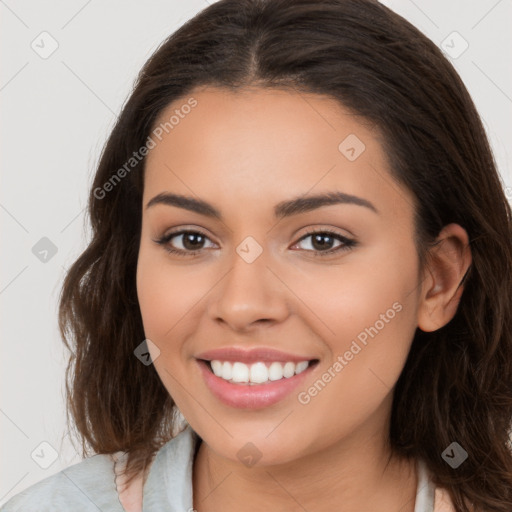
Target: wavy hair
457 381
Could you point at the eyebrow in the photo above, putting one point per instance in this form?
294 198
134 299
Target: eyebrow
288 208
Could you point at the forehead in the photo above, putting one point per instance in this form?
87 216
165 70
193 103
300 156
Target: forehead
255 145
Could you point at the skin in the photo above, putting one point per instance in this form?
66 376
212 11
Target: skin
245 152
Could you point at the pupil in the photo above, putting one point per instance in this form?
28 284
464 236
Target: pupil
319 241
188 239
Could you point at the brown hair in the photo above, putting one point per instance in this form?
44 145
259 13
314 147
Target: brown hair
457 382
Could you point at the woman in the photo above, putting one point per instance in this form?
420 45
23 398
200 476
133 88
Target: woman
301 245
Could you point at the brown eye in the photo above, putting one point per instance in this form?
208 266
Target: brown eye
191 242
322 242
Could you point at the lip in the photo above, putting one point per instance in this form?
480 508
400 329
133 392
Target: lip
246 396
263 354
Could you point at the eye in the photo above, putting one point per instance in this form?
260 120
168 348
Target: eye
322 241
191 242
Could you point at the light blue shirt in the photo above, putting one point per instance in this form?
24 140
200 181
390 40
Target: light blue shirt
89 485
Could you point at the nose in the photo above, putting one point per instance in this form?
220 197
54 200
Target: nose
249 294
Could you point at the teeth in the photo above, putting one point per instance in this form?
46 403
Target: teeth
275 371
217 367
227 371
289 370
256 373
240 372
301 366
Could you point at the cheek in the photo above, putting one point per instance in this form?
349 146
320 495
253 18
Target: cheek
372 313
367 356
171 297
161 292
368 319
165 303
344 301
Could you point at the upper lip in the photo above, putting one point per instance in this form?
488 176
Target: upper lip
254 355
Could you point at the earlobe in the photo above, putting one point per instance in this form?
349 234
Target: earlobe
442 288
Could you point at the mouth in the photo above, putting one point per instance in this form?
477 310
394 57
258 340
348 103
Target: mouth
255 385
257 373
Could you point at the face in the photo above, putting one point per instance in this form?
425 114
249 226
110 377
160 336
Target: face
250 288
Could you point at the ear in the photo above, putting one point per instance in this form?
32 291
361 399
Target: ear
441 290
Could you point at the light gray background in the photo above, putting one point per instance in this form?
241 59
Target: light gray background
57 112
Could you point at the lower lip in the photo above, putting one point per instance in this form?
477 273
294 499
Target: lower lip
244 396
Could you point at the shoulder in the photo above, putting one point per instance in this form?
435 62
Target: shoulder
87 485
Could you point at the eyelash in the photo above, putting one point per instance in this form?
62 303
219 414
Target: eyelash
348 244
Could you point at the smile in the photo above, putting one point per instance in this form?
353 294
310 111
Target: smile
255 386
256 373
